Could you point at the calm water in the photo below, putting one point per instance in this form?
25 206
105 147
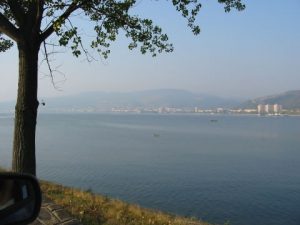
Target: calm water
242 169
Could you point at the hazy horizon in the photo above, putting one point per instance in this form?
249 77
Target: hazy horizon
240 55
81 94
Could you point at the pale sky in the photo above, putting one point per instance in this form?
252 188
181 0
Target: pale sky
242 54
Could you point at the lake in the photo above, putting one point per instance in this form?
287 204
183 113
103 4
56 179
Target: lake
241 169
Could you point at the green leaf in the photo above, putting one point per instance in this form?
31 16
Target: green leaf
5 44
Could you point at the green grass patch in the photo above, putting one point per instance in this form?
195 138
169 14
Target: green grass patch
92 209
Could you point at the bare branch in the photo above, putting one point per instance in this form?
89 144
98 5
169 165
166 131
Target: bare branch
48 63
50 68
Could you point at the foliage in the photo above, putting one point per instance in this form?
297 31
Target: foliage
108 18
5 44
229 4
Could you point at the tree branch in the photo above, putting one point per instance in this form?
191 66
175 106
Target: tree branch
48 63
63 17
17 12
40 10
35 14
51 70
8 28
88 56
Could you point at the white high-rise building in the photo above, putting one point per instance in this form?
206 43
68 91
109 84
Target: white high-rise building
261 109
269 109
277 108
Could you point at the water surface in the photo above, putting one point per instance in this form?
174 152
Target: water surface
242 169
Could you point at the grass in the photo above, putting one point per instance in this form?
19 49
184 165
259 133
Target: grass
92 209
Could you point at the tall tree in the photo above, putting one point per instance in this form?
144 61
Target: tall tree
29 23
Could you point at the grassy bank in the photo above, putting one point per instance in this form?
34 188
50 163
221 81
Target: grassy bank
93 209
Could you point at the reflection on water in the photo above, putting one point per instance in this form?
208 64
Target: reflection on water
244 169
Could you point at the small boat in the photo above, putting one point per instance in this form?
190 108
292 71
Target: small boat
156 135
214 121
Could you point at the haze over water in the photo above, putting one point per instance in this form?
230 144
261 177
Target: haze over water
242 169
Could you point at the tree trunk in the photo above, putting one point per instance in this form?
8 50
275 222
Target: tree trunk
26 110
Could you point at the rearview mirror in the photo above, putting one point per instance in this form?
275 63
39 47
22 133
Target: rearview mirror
20 198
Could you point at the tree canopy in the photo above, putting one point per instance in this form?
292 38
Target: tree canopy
108 17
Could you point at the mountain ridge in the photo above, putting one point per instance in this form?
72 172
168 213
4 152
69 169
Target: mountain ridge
155 98
288 100
101 100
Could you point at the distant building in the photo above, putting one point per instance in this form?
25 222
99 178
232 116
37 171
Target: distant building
220 110
252 111
277 109
261 109
269 109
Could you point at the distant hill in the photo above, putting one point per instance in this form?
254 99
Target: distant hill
288 100
149 98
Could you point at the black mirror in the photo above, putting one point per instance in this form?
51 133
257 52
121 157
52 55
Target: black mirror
20 198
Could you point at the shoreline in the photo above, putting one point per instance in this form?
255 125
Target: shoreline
91 209
94 209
